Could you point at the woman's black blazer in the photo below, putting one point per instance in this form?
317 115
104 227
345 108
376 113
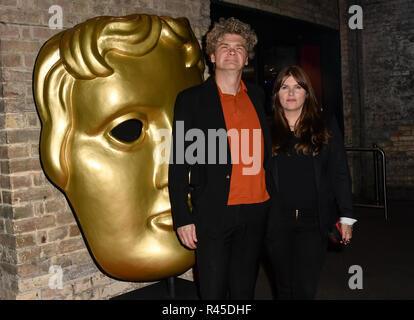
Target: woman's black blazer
332 180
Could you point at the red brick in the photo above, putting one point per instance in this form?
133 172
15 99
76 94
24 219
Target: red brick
5 166
8 268
3 136
29 60
34 150
24 165
20 182
23 135
16 76
26 240
57 233
9 256
70 245
12 105
19 46
10 3
45 222
23 212
60 294
23 226
74 231
2 119
54 205
5 182
39 208
65 217
9 31
39 179
18 151
46 4
7 197
26 34
6 212
43 33
4 152
62 260
41 237
8 240
11 60
31 194
28 255
27 270
15 15
14 120
32 119
48 251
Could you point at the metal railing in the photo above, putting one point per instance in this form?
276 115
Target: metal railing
376 151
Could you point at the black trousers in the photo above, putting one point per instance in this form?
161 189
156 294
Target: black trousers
227 261
296 250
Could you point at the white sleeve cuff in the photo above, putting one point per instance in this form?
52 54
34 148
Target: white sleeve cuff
348 221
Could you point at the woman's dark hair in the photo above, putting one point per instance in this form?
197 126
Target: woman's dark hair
310 129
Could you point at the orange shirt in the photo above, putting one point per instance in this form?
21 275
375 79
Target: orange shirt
239 113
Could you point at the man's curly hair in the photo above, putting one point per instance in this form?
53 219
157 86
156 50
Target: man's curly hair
232 26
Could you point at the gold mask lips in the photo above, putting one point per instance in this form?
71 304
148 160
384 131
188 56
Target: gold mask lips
102 90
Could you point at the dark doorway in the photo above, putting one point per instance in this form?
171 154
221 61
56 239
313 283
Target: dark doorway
285 41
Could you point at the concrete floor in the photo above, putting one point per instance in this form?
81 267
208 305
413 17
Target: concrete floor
383 250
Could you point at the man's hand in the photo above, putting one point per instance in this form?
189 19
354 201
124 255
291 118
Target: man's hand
187 235
346 233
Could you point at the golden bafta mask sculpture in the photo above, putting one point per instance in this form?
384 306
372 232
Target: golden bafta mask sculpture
102 90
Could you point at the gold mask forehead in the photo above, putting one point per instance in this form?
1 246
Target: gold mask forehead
102 70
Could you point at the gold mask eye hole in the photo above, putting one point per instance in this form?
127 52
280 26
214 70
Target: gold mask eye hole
128 131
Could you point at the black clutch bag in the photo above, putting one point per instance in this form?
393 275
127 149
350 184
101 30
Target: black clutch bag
335 233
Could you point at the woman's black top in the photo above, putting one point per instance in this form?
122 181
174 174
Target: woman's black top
296 179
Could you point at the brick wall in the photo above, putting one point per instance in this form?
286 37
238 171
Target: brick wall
352 90
323 12
37 227
377 72
388 46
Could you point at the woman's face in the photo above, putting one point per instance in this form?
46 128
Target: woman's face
291 95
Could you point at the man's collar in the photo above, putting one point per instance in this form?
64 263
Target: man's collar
242 87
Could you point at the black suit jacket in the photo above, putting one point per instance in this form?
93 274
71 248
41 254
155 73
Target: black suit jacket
209 184
332 180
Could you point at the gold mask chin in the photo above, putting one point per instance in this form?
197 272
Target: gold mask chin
103 89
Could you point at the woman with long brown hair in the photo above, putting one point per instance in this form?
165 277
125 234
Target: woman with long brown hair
312 181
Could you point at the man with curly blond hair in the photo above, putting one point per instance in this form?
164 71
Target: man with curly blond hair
229 193
231 26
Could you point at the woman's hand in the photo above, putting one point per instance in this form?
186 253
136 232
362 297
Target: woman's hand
346 233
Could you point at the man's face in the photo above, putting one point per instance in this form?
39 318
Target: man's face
119 194
230 53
